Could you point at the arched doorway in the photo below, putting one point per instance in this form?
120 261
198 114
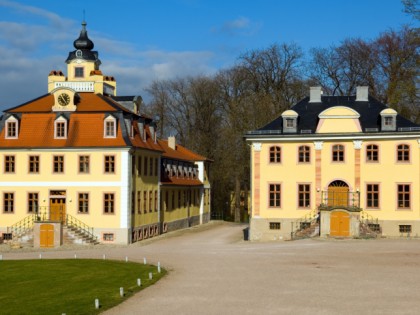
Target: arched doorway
340 223
338 194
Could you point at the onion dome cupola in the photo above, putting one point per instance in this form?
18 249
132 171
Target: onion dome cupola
84 48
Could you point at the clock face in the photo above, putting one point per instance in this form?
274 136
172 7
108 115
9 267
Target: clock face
63 99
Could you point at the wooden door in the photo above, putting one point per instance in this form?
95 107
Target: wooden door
46 235
338 196
57 209
339 223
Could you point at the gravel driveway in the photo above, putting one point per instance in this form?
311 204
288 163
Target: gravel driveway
213 271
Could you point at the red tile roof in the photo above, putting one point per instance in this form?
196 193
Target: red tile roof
180 152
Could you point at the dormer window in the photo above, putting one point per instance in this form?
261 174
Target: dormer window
388 120
110 127
79 72
60 128
12 128
289 121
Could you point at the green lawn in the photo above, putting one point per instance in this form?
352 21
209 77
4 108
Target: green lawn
69 286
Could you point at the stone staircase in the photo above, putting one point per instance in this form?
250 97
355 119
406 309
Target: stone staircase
369 226
74 235
306 227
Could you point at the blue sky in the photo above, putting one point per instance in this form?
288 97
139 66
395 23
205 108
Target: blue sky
143 40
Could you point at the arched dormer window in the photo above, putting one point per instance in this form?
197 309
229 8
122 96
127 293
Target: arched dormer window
12 127
388 119
289 121
275 154
110 127
60 128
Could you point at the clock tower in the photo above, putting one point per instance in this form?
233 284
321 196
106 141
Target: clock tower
83 73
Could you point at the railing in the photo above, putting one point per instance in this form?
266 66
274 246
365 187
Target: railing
331 200
304 223
21 227
87 86
369 225
72 222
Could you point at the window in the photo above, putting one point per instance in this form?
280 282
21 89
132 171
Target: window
274 195
388 121
145 201
133 202
33 164
11 129
405 228
83 164
179 199
372 196
60 129
79 72
9 164
274 225
83 202
58 164
290 122
109 200
304 154
403 153
375 227
304 195
139 202
109 164
151 167
145 166
110 129
156 201
32 202
156 166
338 153
8 202
150 201
7 236
403 196
167 201
173 200
372 153
139 165
108 237
275 155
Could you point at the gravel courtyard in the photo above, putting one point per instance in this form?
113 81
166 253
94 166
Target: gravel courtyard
213 271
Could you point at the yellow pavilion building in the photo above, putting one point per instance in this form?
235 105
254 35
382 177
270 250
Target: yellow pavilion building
335 166
81 164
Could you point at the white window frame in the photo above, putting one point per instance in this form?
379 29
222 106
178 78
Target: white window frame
60 119
114 121
9 121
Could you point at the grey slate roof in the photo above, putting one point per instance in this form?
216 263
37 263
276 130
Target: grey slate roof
308 114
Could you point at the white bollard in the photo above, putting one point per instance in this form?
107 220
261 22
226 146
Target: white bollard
104 257
126 259
122 292
1 257
139 282
40 256
144 260
159 266
75 256
96 303
150 276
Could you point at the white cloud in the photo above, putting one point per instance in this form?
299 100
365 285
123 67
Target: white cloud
242 26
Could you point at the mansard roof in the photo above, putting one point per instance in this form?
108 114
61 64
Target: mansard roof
309 112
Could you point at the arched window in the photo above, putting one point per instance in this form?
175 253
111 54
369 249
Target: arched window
304 154
275 155
403 153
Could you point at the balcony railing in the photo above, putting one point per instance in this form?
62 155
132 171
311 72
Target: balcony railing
347 200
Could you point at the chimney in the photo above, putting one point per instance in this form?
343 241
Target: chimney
315 93
172 142
362 93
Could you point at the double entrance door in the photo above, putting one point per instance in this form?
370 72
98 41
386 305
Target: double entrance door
58 206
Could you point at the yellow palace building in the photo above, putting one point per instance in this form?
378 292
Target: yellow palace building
81 164
339 166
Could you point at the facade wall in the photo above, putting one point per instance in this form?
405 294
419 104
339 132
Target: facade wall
356 171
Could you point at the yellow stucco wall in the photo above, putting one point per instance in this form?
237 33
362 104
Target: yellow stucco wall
388 173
